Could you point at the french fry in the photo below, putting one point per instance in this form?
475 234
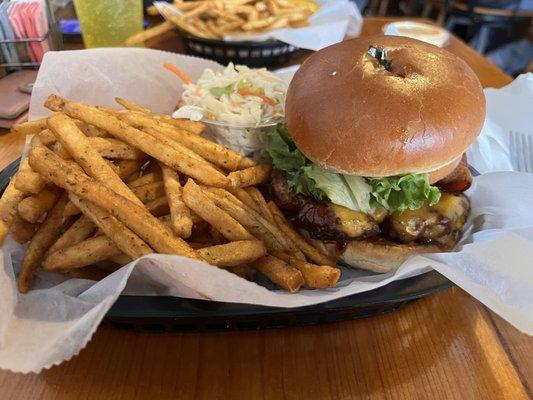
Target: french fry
158 207
244 271
311 253
126 168
249 176
126 240
191 126
47 137
245 197
84 253
120 259
197 201
4 231
180 214
150 191
80 230
211 151
30 127
22 230
33 207
255 222
233 253
248 218
170 153
88 158
145 179
130 105
279 272
180 22
9 202
149 33
136 218
29 182
259 200
47 233
115 149
315 276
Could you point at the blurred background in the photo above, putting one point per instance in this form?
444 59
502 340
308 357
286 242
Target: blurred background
257 33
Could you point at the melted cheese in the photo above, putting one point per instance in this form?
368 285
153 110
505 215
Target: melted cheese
353 223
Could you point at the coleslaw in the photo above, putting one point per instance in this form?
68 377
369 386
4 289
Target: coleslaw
239 96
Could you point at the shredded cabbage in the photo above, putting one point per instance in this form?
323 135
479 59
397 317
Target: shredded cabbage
238 95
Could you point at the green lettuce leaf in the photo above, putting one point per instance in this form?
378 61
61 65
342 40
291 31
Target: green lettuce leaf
337 189
396 193
399 193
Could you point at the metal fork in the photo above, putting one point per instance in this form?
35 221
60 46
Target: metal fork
521 147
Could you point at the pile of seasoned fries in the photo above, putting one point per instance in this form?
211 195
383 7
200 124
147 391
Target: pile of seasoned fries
215 19
102 187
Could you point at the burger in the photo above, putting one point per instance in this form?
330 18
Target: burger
370 163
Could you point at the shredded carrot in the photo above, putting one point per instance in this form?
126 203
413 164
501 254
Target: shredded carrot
266 99
179 73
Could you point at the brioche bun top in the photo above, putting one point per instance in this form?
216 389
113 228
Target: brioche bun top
349 114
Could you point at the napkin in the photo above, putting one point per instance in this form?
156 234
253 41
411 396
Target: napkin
55 320
334 20
508 109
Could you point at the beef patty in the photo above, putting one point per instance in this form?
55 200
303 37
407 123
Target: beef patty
326 221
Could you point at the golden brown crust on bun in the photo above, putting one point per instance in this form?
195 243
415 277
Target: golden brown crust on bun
443 172
382 257
348 114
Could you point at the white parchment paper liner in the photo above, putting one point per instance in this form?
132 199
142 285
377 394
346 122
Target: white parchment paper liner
57 318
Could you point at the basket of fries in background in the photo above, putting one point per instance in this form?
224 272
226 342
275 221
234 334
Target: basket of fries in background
227 30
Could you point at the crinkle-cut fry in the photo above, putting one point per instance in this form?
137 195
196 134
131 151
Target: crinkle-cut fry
81 254
180 215
21 230
279 272
195 198
254 223
233 253
33 207
211 151
315 276
115 149
136 218
132 106
250 176
47 234
79 147
126 240
29 182
168 152
149 33
80 230
150 191
30 127
310 252
145 179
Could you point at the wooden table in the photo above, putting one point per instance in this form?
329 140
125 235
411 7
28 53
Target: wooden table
444 346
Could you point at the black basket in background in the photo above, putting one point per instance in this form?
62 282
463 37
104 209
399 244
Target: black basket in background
270 53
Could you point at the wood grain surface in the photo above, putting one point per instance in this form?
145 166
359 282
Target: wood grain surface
446 346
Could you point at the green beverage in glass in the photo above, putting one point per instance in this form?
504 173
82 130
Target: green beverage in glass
108 23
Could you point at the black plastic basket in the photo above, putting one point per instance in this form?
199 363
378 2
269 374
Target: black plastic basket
270 53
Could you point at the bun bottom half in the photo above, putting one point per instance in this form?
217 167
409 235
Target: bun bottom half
380 256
